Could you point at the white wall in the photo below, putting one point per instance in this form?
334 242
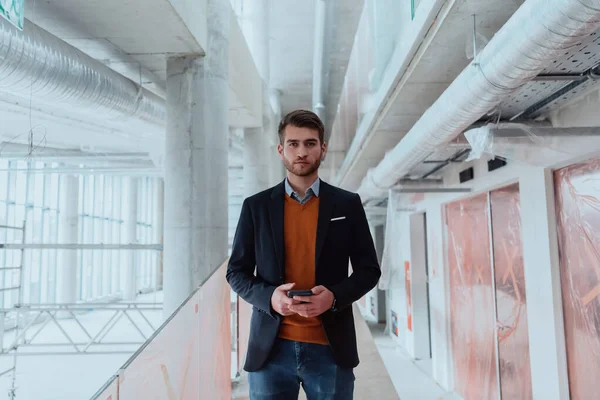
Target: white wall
419 292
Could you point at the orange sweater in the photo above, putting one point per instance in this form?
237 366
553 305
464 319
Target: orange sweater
300 238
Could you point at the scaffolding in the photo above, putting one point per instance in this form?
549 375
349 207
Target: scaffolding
94 343
19 294
32 320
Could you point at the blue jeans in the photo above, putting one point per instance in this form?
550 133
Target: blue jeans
293 363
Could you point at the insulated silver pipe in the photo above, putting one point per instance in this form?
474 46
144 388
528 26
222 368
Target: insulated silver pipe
35 62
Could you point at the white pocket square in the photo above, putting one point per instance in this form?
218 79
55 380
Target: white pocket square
338 218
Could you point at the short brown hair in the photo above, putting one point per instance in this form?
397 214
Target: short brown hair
301 119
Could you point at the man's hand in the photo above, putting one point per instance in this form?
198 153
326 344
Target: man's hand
280 302
315 305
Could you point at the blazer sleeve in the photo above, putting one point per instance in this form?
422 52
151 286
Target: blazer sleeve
242 263
363 257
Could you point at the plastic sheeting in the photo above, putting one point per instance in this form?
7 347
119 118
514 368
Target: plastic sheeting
397 242
396 252
511 300
532 145
578 213
483 305
472 324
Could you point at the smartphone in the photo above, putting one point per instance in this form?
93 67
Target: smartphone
293 293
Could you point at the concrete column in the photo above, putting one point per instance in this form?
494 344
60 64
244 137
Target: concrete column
276 169
196 152
542 283
68 232
159 210
256 162
256 31
270 169
131 218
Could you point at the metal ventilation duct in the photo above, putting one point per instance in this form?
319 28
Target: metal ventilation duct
538 33
34 62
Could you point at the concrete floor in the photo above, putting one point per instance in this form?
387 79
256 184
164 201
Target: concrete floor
412 379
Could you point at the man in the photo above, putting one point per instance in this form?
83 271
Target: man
300 235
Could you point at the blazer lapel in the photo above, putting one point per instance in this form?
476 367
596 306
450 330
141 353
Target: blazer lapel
326 203
276 219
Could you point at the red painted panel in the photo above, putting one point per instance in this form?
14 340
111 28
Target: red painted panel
578 213
511 300
471 300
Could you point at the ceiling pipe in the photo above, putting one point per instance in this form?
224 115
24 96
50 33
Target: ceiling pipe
34 62
537 33
49 15
323 11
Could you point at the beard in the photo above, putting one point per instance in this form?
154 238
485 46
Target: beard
302 170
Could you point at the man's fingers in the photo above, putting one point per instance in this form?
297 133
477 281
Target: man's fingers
318 289
303 308
306 299
287 301
287 286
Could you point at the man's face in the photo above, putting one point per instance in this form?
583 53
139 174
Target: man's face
301 150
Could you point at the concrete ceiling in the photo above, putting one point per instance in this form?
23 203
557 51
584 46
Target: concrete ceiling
419 89
292 31
346 18
136 41
121 34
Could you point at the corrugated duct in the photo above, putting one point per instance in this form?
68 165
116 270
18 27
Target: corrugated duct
34 62
539 32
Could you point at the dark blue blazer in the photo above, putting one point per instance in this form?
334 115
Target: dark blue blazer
256 267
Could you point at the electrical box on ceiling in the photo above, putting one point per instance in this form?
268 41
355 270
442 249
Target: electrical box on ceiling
466 175
496 163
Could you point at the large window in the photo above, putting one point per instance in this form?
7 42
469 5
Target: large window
30 195
29 201
101 205
147 259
